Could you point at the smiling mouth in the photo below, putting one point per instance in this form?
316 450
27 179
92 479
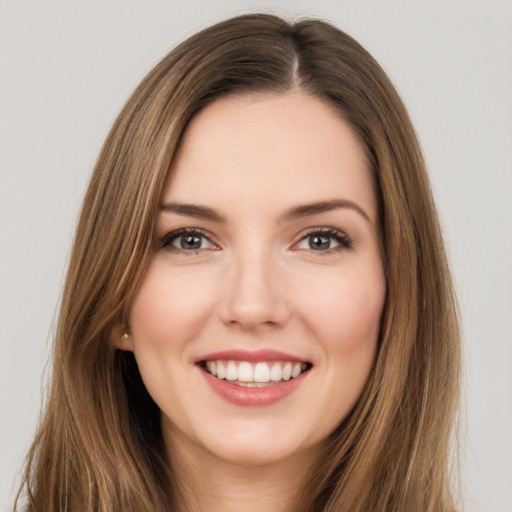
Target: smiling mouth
254 374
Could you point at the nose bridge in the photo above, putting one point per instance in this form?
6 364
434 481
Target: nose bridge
255 295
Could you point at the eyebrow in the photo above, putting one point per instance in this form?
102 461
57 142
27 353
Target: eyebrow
309 209
296 212
192 210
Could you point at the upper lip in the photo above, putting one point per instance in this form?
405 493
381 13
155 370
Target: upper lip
251 355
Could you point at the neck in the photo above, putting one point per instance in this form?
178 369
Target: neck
206 482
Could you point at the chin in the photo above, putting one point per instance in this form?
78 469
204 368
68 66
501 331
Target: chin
260 447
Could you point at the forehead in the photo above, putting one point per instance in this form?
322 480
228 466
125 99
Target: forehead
258 144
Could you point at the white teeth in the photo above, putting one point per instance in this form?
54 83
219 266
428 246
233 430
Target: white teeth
211 367
231 371
296 370
221 370
253 384
258 374
261 373
276 373
245 373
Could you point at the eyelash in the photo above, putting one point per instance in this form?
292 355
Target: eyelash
167 240
339 237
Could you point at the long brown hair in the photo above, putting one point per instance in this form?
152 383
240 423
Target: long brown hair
99 445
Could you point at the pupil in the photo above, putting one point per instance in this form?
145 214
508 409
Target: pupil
191 242
317 242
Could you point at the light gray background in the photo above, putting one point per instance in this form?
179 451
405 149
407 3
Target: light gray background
66 68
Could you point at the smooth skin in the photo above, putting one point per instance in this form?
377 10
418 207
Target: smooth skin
258 267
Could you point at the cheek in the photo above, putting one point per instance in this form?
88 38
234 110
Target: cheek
171 305
346 312
343 315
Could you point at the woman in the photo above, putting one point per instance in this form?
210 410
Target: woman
258 311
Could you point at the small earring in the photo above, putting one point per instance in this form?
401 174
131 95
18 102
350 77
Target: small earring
123 337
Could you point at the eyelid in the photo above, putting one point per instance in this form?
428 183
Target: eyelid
343 240
167 239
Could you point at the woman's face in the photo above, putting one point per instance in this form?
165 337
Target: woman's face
255 328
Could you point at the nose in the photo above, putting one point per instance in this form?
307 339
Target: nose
254 295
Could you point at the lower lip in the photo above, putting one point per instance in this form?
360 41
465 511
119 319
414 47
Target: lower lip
253 397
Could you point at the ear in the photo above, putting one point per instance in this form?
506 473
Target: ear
120 337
